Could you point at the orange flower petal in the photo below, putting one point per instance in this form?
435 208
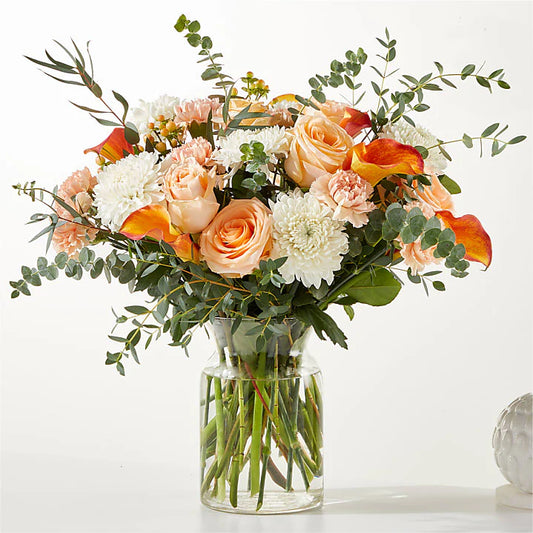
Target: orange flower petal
150 221
185 248
154 221
289 97
383 157
354 121
469 231
113 147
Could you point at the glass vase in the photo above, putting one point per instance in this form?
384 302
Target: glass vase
261 420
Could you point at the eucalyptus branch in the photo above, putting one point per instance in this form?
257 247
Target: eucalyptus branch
214 70
416 87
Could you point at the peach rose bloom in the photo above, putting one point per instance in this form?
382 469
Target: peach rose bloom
416 258
238 238
436 195
74 191
318 145
71 238
199 149
196 110
330 108
191 201
346 193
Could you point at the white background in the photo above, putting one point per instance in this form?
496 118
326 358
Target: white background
415 398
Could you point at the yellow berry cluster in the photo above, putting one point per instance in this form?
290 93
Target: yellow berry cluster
163 131
254 86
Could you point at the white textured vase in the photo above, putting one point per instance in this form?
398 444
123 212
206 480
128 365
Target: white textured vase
512 442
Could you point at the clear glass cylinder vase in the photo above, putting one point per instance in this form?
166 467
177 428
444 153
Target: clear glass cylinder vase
261 420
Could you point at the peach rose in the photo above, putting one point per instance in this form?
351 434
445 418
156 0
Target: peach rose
436 195
238 238
188 189
199 149
346 194
318 145
416 258
330 109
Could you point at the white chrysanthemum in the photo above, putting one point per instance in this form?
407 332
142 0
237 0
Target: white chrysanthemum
304 231
146 112
273 139
128 185
404 133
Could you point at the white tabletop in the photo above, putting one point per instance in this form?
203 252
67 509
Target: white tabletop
72 495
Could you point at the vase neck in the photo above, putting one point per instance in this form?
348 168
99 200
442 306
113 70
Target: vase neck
260 346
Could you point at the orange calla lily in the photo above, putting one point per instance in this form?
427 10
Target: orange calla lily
113 147
355 121
381 158
154 221
469 231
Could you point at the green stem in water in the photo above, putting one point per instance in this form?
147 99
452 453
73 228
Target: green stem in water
221 485
257 430
206 422
266 454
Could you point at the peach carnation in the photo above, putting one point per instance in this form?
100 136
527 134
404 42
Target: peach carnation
318 145
346 193
188 189
74 191
71 238
416 258
196 110
238 238
199 149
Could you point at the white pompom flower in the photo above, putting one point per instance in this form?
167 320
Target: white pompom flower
127 185
146 112
305 232
417 135
273 139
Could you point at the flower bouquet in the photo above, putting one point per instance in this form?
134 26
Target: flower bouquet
255 215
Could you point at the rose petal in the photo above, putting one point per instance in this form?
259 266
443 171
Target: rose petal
150 221
469 231
354 121
383 157
113 147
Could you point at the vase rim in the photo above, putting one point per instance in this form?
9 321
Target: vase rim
291 319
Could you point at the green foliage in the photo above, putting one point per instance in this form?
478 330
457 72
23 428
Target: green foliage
214 69
78 69
376 287
342 72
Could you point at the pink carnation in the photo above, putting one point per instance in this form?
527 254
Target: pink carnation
196 110
199 149
74 191
346 193
71 238
416 258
